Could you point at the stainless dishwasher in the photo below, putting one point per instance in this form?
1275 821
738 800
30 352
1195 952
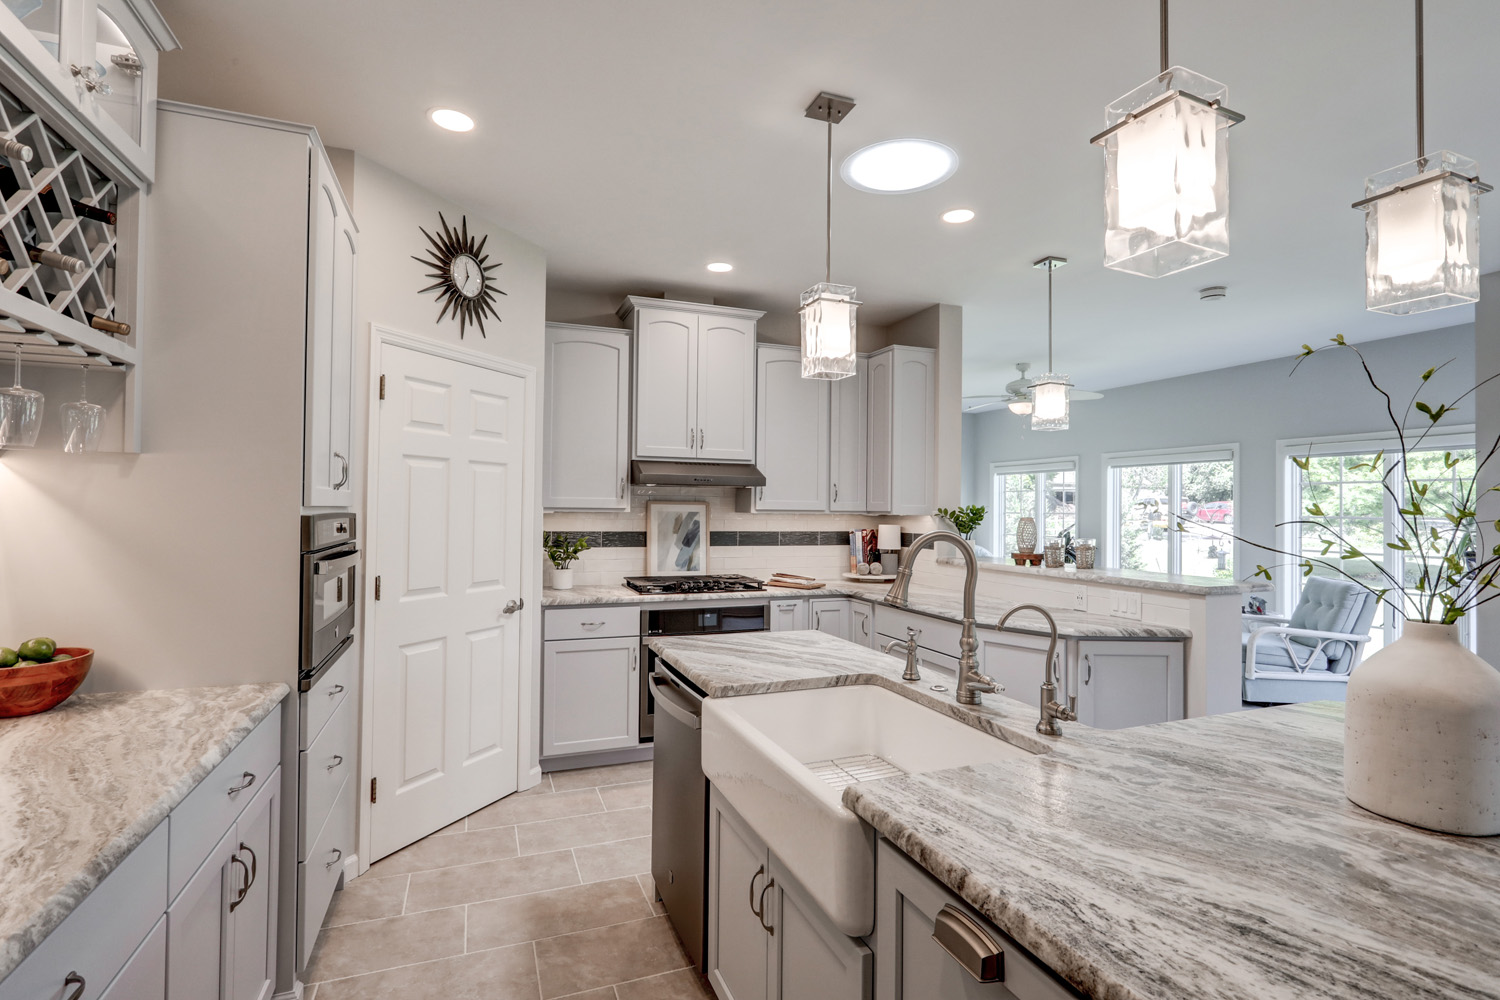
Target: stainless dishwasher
679 806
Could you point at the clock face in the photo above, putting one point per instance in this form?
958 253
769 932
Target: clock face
467 276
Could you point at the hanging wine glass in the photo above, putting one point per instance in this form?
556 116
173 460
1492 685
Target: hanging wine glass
82 421
20 412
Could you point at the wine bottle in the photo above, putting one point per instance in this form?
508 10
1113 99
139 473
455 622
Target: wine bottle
110 326
49 258
11 149
83 210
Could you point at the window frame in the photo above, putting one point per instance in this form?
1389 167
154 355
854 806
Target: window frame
1040 468
1174 458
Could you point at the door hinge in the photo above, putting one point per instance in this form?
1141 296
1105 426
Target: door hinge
377 588
382 387
372 790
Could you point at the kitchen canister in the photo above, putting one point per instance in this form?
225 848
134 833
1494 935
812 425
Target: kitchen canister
1083 553
1052 555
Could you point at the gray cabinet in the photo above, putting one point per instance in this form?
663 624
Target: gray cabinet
847 454
831 615
901 431
586 428
328 424
789 616
791 438
767 940
862 623
912 965
590 690
1017 660
1122 684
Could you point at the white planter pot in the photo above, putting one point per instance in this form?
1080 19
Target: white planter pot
1422 734
562 579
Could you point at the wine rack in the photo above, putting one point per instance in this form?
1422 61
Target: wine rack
48 309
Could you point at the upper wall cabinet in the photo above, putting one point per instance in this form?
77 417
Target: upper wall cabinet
694 380
791 439
586 450
97 61
847 453
901 430
328 424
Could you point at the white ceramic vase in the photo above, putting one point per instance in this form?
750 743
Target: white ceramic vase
562 579
1422 734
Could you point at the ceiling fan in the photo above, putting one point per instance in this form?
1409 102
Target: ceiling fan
1017 395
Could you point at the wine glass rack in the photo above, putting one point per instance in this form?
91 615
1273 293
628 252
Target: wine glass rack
48 187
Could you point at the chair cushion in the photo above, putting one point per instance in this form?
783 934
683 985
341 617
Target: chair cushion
1271 656
1330 605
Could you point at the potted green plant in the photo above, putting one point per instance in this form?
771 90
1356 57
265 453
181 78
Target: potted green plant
1422 715
562 550
965 520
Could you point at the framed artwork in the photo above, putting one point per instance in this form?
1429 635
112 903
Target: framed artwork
676 538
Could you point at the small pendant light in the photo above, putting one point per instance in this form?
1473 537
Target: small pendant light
1166 164
1422 225
1049 393
828 310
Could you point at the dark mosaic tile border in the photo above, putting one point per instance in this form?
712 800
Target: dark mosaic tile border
716 539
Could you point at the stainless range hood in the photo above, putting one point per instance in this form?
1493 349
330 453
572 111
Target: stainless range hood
652 473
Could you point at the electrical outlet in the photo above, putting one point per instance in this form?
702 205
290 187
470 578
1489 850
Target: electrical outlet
1080 598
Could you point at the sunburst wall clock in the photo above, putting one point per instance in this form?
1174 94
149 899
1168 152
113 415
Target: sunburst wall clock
463 278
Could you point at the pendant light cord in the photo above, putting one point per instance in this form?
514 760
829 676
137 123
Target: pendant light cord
1050 269
1421 95
1164 35
828 255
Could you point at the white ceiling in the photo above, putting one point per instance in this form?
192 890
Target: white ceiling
637 141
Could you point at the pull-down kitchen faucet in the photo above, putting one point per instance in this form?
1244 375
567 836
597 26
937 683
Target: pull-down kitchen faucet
971 683
1052 709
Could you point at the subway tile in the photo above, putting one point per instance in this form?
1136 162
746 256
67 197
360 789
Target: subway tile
797 538
717 538
759 538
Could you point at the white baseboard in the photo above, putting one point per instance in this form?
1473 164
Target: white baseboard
351 868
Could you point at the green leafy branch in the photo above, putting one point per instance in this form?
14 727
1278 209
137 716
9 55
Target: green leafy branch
562 549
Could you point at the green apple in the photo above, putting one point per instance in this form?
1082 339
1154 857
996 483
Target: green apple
39 649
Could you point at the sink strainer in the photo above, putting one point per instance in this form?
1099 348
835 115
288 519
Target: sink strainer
842 771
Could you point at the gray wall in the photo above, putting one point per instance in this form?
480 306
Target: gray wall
1487 420
1251 405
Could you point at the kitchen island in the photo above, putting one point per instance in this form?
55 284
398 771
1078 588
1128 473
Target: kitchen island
1210 858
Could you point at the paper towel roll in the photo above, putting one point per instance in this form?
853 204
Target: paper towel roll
890 538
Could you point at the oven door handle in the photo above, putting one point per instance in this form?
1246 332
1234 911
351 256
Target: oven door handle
334 567
307 681
670 699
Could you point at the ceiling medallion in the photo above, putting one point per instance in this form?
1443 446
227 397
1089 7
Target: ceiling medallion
463 277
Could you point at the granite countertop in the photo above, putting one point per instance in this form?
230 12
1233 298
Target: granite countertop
938 602
1208 859
1174 583
83 785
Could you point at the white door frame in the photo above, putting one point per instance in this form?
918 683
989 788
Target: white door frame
529 772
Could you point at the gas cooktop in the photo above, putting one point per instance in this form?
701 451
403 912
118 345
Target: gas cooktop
715 584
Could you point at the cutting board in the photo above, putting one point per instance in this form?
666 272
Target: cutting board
795 582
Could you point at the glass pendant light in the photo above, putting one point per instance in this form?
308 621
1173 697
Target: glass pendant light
1422 225
1166 165
1049 393
828 310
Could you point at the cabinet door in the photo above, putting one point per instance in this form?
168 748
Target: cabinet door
831 616
341 375
1016 661
811 959
1123 684
145 975
198 938
590 695
666 384
862 623
252 915
324 474
788 616
726 389
586 451
123 110
847 451
878 431
791 442
913 427
739 953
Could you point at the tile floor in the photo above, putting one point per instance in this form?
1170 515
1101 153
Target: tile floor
544 894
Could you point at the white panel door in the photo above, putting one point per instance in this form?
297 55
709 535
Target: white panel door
791 443
449 543
666 384
586 451
878 434
847 452
726 389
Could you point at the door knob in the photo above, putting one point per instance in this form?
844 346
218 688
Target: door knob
512 607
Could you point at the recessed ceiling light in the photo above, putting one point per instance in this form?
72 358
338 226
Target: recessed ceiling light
958 215
453 121
896 166
719 267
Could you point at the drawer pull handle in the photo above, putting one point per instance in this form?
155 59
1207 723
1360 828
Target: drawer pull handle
337 854
245 889
762 914
74 979
248 780
969 945
337 760
336 689
254 865
590 624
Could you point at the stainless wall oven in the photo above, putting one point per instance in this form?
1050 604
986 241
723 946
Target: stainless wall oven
694 619
330 582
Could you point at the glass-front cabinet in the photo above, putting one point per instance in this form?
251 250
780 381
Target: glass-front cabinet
99 59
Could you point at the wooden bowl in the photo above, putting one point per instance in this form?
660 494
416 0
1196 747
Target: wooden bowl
33 689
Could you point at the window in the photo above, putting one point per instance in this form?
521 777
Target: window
1046 491
1144 489
1339 479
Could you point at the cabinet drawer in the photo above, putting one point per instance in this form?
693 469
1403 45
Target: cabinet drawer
99 937
211 808
319 704
599 621
145 975
319 874
324 766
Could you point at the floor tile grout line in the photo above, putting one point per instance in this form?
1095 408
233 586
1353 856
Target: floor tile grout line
496 899
425 961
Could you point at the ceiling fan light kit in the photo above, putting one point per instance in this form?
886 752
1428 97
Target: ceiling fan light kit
1422 225
1166 163
828 312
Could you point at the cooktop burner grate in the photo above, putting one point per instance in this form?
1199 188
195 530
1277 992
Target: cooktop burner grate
710 584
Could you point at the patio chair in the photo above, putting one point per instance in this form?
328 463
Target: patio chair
1309 656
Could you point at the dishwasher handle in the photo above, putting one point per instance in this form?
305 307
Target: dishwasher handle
671 700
